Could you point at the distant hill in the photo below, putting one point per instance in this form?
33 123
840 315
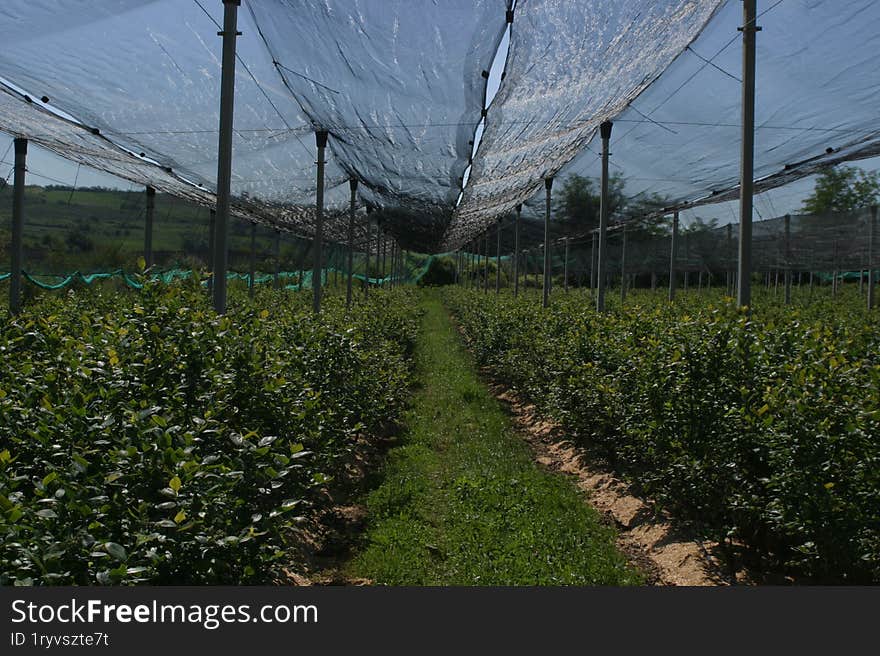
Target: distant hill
93 229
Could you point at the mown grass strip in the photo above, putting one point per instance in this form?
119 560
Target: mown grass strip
463 503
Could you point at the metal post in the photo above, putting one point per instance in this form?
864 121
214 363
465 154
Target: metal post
516 253
253 268
747 163
17 225
729 259
318 265
787 223
276 249
673 256
548 187
593 263
212 228
148 228
537 268
565 267
352 185
486 262
378 251
872 236
604 211
498 259
384 256
302 266
367 258
623 266
224 159
834 284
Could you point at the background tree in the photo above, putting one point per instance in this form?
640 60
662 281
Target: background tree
843 189
577 203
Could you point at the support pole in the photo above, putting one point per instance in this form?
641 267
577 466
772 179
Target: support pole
378 252
498 259
673 256
486 262
212 251
537 269
276 250
367 258
253 268
747 163
548 187
872 246
593 263
148 228
604 211
565 267
318 265
787 223
516 253
17 225
352 185
384 256
729 260
623 267
224 150
302 267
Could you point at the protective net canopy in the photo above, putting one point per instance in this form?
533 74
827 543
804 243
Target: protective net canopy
815 105
132 88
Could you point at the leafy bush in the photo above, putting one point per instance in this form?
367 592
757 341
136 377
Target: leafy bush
765 431
143 438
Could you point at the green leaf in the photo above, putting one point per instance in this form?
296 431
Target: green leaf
174 484
116 550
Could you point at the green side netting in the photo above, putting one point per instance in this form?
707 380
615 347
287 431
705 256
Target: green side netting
60 281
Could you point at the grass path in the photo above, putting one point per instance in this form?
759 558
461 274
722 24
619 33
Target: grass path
463 503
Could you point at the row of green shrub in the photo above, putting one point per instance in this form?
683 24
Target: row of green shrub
763 430
143 438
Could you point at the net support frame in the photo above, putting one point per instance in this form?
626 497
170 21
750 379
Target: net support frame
548 189
224 151
20 169
352 187
747 159
318 261
148 227
605 131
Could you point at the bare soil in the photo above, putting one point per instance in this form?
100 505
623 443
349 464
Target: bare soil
668 553
326 539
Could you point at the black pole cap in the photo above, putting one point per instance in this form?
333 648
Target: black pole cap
605 129
151 191
321 138
21 146
548 183
353 183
